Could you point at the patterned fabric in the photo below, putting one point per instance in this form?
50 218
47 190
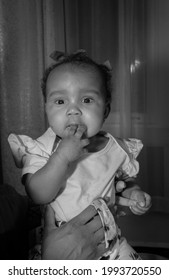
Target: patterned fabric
110 228
118 248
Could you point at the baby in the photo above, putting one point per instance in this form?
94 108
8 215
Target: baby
73 163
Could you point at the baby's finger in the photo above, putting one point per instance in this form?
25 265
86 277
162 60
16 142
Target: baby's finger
140 197
143 209
85 142
137 211
125 201
147 200
70 130
80 131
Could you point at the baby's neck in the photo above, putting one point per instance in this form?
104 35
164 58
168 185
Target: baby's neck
97 143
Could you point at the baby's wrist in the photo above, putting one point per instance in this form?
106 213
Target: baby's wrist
58 156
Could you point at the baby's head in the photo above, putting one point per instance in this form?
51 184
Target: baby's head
77 90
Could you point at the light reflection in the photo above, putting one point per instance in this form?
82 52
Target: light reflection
134 66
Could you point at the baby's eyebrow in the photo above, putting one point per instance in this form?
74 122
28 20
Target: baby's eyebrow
54 93
82 91
88 91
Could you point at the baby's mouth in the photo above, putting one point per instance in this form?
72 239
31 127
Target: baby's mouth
76 126
73 125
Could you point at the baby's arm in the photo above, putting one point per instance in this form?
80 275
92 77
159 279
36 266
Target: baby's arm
44 185
128 191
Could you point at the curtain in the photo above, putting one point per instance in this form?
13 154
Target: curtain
131 34
21 60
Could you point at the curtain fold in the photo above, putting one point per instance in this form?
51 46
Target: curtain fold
21 57
53 20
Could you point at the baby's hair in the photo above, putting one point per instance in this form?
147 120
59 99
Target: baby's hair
81 59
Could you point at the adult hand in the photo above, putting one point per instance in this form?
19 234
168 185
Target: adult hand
80 238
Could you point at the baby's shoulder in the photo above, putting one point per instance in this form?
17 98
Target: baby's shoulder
131 146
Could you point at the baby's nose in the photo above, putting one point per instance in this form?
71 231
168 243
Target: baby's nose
73 110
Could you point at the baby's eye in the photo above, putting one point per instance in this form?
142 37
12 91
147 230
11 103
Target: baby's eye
59 101
87 100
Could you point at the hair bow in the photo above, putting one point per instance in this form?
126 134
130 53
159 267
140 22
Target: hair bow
59 56
108 65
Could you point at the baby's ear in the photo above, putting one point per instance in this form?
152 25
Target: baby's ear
107 111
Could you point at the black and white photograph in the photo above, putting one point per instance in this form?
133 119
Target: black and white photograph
84 132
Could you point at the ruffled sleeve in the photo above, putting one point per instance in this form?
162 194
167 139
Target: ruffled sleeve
27 153
132 148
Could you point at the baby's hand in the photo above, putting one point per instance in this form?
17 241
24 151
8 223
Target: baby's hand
72 145
141 202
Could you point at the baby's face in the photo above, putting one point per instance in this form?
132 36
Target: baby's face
75 97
